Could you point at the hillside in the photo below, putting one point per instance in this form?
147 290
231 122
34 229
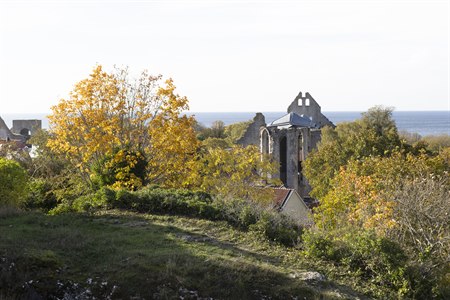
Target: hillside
117 255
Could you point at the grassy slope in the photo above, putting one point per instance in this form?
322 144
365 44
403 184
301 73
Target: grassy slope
147 256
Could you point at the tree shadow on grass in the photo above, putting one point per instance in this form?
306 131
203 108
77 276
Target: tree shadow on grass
130 256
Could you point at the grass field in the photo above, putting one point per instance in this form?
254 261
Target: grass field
120 255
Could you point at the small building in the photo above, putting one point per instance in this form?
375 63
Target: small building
289 202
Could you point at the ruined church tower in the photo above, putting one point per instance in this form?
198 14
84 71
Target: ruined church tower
290 138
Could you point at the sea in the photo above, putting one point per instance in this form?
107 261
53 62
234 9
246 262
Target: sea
421 122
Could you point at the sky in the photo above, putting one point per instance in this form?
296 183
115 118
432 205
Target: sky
230 56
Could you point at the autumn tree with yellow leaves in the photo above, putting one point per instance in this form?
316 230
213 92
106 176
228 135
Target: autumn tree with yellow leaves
119 125
235 173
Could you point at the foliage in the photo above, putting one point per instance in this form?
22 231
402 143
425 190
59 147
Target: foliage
216 131
423 228
46 163
243 214
14 151
362 253
432 143
367 178
53 176
13 182
211 143
237 172
375 134
121 169
108 111
362 193
276 227
437 142
263 221
219 135
237 130
174 144
382 136
422 210
408 137
41 196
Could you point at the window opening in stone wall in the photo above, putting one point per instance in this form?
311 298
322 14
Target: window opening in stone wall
25 132
300 158
307 102
283 160
265 142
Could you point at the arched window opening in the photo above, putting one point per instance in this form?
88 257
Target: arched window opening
25 131
265 139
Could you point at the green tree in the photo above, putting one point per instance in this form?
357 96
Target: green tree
13 182
235 131
404 198
216 143
53 179
361 193
218 129
375 134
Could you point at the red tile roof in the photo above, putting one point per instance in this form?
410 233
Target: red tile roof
281 195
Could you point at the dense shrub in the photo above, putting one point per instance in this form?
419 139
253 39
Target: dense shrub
269 223
105 195
123 168
277 228
152 199
373 258
163 201
317 245
239 213
87 203
61 208
41 195
423 285
13 182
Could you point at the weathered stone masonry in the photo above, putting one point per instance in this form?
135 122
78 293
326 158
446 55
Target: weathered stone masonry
289 139
21 130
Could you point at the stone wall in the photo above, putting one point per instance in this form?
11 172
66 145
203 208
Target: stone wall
21 130
251 135
26 127
289 142
307 106
7 135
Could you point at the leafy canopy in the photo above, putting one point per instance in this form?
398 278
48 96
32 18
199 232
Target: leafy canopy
110 111
235 172
13 182
375 134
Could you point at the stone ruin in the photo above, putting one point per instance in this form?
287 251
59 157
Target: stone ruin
289 139
21 130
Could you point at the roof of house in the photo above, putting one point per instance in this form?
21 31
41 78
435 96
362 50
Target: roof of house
281 195
292 119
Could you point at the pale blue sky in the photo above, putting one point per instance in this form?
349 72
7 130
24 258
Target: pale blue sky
233 55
